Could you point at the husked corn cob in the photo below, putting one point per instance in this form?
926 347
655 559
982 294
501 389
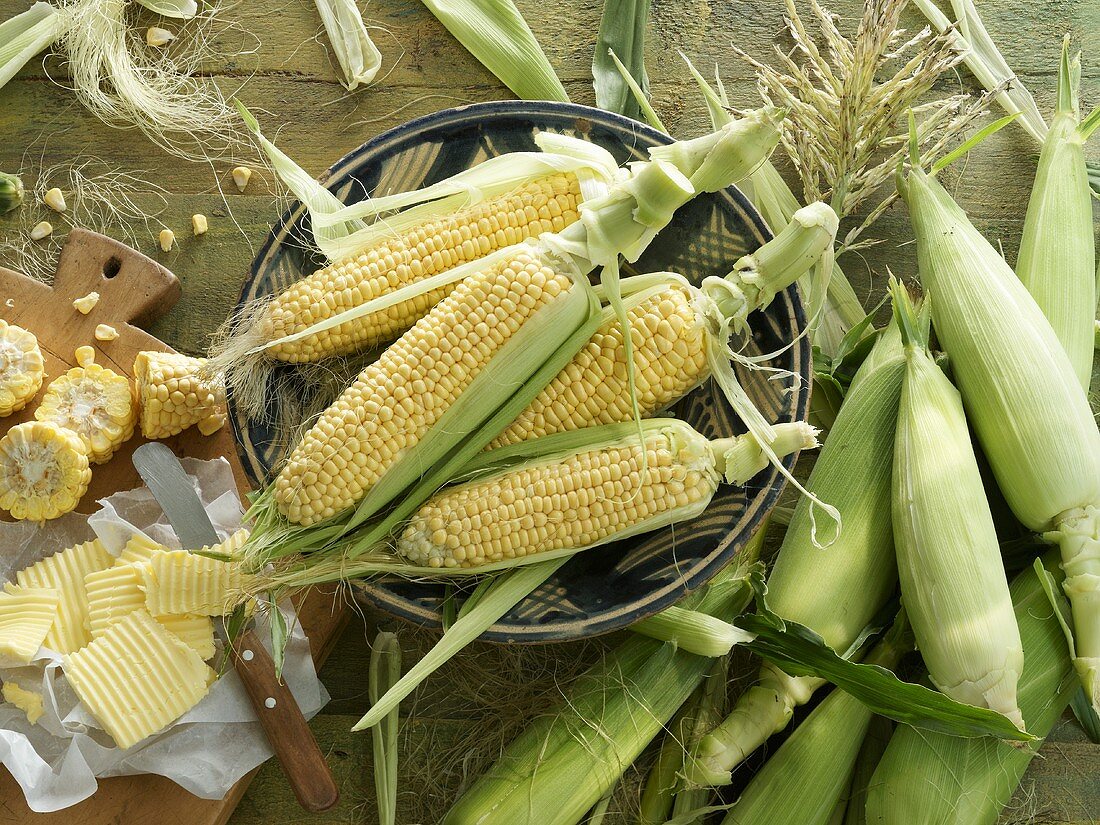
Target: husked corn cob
547 204
21 368
96 404
670 358
172 394
43 470
396 400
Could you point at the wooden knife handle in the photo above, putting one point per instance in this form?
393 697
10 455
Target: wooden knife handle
286 728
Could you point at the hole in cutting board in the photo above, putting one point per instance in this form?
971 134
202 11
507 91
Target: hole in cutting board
112 267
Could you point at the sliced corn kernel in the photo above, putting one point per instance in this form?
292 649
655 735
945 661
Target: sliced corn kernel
65 572
55 199
87 303
156 37
105 332
95 403
167 239
179 582
137 678
43 471
241 176
21 367
26 616
212 423
199 224
172 395
27 701
41 230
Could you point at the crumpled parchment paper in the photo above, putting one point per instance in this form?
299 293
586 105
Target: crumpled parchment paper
57 761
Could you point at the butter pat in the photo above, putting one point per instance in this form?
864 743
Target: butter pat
197 632
65 572
26 616
113 594
179 582
26 700
137 678
139 549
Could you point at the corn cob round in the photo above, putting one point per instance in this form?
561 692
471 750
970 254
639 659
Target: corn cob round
96 404
396 400
670 359
43 471
548 204
172 394
21 367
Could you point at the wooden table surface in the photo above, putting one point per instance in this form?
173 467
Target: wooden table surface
289 81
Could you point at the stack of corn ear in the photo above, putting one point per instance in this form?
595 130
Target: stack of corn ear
835 591
1023 397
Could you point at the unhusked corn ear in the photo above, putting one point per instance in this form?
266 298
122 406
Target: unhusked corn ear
44 471
21 367
95 403
569 503
180 582
670 358
26 616
65 572
139 549
137 678
172 395
395 401
547 204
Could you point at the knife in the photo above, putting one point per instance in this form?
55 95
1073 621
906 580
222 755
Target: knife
282 720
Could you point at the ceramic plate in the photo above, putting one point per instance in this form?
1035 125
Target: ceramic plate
609 587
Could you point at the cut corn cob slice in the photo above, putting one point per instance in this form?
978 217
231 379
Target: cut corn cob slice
949 562
95 403
173 396
137 678
26 616
65 572
43 471
27 701
1022 395
179 582
21 367
581 498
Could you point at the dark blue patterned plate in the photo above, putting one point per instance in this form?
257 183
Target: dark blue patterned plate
609 587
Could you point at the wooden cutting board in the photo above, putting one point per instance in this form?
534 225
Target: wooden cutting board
134 290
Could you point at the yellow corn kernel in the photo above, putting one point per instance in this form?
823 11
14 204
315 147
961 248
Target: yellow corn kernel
65 572
545 205
87 303
84 356
199 224
55 199
212 423
21 367
180 582
41 230
26 616
241 176
137 678
396 400
167 239
44 471
670 359
157 37
27 701
571 502
172 395
138 550
95 403
105 332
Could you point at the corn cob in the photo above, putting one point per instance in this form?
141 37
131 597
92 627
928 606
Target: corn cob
93 402
43 471
11 192
579 498
172 394
21 367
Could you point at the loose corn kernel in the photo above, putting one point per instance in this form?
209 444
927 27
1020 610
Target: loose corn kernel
212 423
84 356
55 199
241 176
397 399
562 504
87 303
167 238
157 37
41 230
548 204
43 471
105 332
96 404
21 367
199 224
172 395
670 358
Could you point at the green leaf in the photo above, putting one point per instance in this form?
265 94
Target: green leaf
973 141
1086 715
384 673
622 30
1094 176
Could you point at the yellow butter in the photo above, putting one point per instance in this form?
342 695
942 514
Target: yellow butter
65 572
137 678
113 594
181 582
140 548
197 632
26 616
26 700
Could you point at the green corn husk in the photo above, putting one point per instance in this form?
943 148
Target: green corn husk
953 582
870 754
805 781
358 57
928 778
11 192
621 42
384 673
560 766
837 590
1057 250
1021 394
